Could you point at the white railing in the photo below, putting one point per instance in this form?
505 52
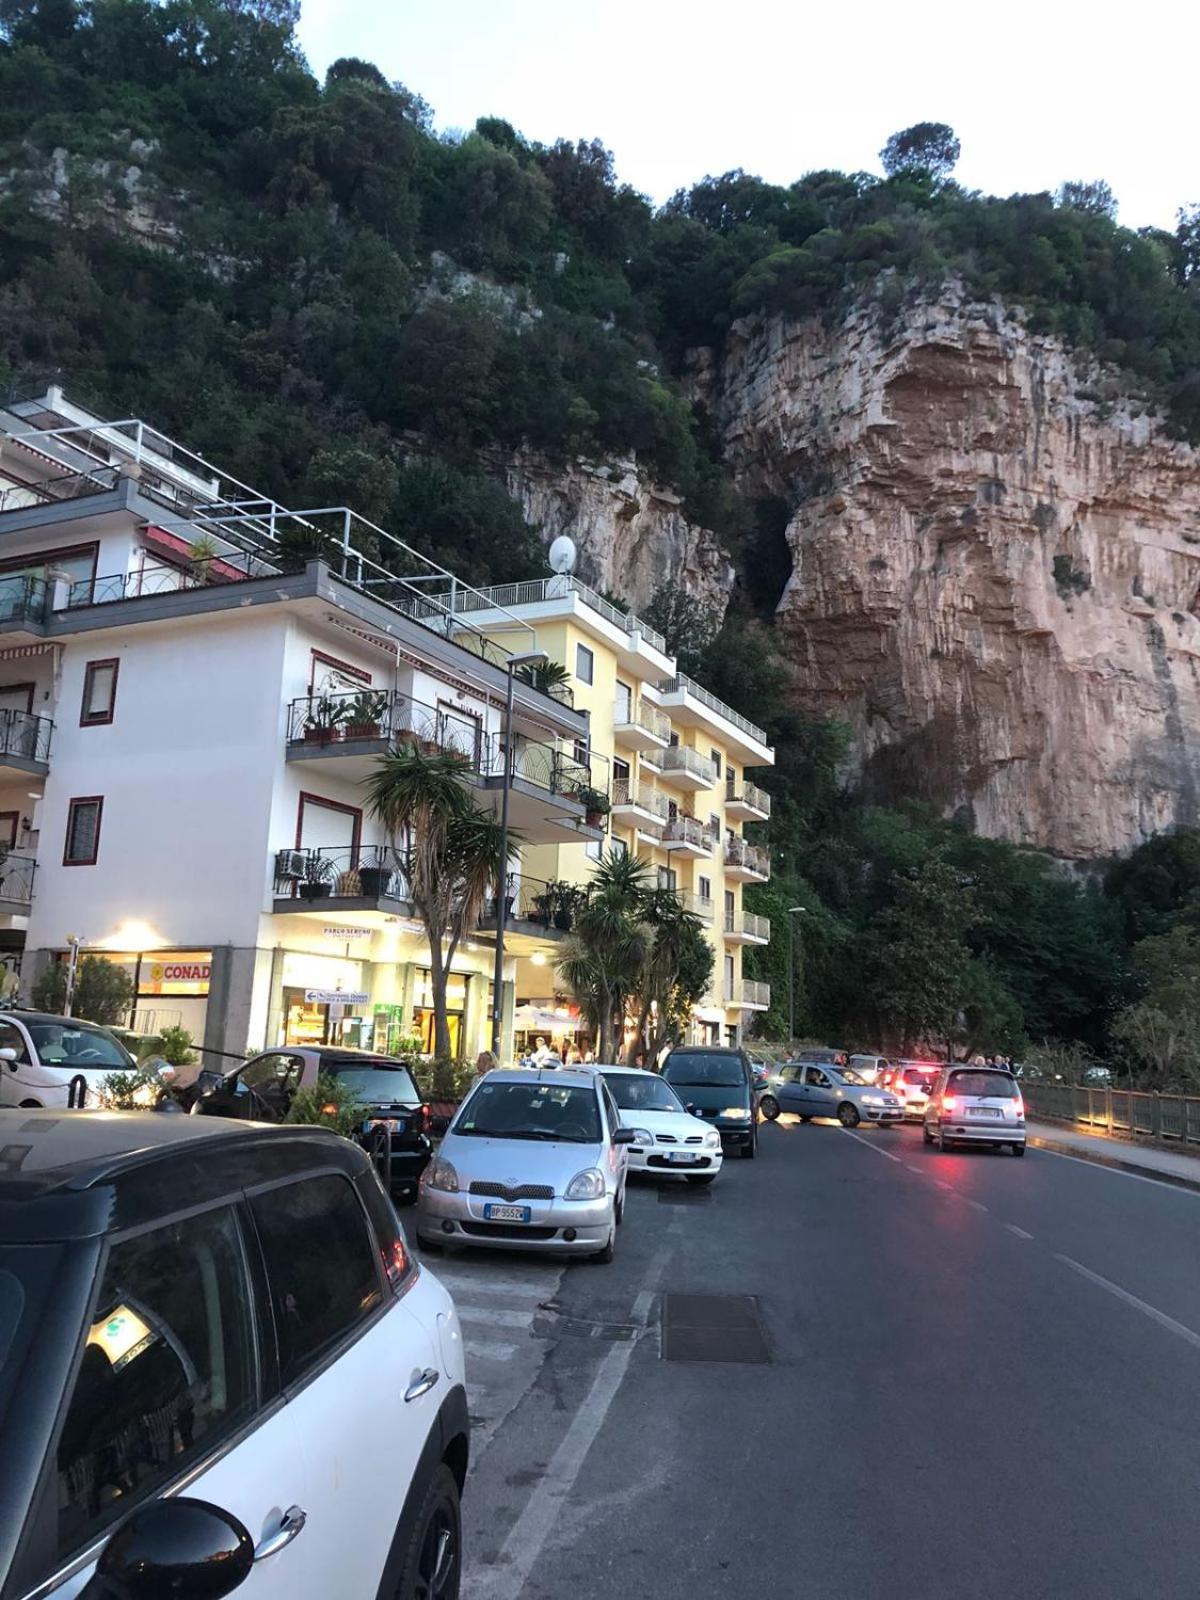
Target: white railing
748 794
503 595
754 927
740 854
688 830
680 759
627 793
681 684
747 992
628 715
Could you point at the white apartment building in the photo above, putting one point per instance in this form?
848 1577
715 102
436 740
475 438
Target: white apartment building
176 791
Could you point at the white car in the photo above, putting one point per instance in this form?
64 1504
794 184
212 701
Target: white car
58 1062
225 1370
666 1137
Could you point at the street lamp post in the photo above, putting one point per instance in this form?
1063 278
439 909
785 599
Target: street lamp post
73 941
527 658
793 912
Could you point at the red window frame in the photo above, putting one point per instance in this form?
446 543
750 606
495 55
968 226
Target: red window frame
307 799
96 800
101 721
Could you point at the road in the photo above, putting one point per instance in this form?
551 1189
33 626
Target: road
981 1381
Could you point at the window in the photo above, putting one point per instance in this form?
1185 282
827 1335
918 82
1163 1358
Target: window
616 847
9 822
704 888
666 877
321 1261
624 704
167 1369
594 849
816 1078
714 825
273 1072
620 771
585 664
729 906
581 754
99 692
83 831
715 758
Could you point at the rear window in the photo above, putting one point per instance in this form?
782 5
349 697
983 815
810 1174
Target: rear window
373 1080
699 1071
916 1075
986 1085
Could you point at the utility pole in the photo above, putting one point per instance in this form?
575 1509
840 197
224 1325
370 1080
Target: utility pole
793 912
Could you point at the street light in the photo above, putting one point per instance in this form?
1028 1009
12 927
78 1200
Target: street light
793 911
528 658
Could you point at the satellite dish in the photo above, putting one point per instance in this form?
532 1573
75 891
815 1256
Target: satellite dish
563 554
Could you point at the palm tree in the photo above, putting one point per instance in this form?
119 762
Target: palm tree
676 939
544 675
448 849
602 961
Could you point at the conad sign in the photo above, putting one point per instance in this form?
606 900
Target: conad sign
187 975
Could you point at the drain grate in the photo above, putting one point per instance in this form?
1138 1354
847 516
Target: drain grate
713 1327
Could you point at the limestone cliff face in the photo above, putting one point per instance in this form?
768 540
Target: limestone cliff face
996 561
632 533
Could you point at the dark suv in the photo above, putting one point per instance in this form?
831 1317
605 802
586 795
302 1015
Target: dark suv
718 1085
203 1324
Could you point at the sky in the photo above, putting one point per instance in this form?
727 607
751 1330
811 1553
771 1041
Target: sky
1037 92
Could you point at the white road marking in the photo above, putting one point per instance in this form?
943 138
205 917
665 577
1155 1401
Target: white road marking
486 1317
978 1204
871 1145
1020 1232
488 1349
921 1170
542 1512
1119 1172
468 1284
1163 1320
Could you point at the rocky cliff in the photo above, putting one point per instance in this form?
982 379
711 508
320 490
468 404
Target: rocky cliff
996 560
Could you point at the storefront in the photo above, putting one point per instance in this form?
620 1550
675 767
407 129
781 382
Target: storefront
464 991
170 987
324 1001
559 1024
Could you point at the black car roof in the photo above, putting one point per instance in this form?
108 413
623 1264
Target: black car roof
704 1050
78 1173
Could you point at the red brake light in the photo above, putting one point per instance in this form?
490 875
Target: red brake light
1020 1108
947 1102
425 1119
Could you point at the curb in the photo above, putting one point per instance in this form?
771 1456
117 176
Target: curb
1103 1159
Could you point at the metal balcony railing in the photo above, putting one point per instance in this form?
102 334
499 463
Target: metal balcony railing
680 759
16 879
627 793
23 599
747 922
627 714
688 830
24 734
544 766
510 595
553 905
681 684
209 572
350 872
747 992
747 856
748 794
386 715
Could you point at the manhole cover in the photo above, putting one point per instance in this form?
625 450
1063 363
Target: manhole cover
713 1327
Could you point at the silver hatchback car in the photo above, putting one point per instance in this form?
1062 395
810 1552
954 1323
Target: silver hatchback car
532 1160
975 1105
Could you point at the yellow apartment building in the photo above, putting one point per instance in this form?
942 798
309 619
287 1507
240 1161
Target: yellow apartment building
675 763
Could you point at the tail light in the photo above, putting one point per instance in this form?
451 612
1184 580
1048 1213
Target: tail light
425 1119
948 1102
1020 1107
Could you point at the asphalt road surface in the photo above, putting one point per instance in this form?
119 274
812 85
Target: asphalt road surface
981 1380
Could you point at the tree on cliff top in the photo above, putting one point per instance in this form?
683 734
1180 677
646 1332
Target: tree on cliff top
925 147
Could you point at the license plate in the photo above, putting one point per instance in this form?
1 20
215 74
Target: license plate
494 1213
393 1123
681 1158
982 1111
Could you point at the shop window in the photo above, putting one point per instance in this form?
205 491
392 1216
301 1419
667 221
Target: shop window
99 693
585 664
83 831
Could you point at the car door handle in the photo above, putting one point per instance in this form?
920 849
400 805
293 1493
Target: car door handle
422 1384
290 1524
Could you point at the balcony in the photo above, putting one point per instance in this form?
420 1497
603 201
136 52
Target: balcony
746 863
24 744
637 805
355 729
551 794
24 606
747 994
16 882
535 912
686 769
746 803
687 836
640 726
699 905
743 927
365 877
696 704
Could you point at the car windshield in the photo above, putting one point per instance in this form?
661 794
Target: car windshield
642 1091
986 1085
846 1075
374 1080
694 1071
77 1044
531 1111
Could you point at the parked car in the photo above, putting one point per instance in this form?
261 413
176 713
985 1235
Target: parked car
666 1137
975 1105
817 1089
204 1321
912 1082
871 1069
263 1088
532 1160
718 1085
53 1061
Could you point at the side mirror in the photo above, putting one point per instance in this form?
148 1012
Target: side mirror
623 1136
692 1110
186 1548
10 1055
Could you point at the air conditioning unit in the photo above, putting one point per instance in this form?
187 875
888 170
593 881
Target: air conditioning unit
290 864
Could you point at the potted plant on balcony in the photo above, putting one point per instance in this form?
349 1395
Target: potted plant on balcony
568 899
324 720
543 905
315 884
595 803
375 880
364 715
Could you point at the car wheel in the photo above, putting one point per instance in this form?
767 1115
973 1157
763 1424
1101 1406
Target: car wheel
601 1258
1019 1149
848 1115
926 1136
706 1177
769 1107
433 1564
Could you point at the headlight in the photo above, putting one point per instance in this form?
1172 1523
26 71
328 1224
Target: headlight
586 1185
873 1100
642 1136
712 1141
736 1114
439 1174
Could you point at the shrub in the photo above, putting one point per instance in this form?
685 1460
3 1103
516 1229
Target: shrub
330 1103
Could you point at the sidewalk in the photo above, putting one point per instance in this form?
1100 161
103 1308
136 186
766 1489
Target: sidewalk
1169 1166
